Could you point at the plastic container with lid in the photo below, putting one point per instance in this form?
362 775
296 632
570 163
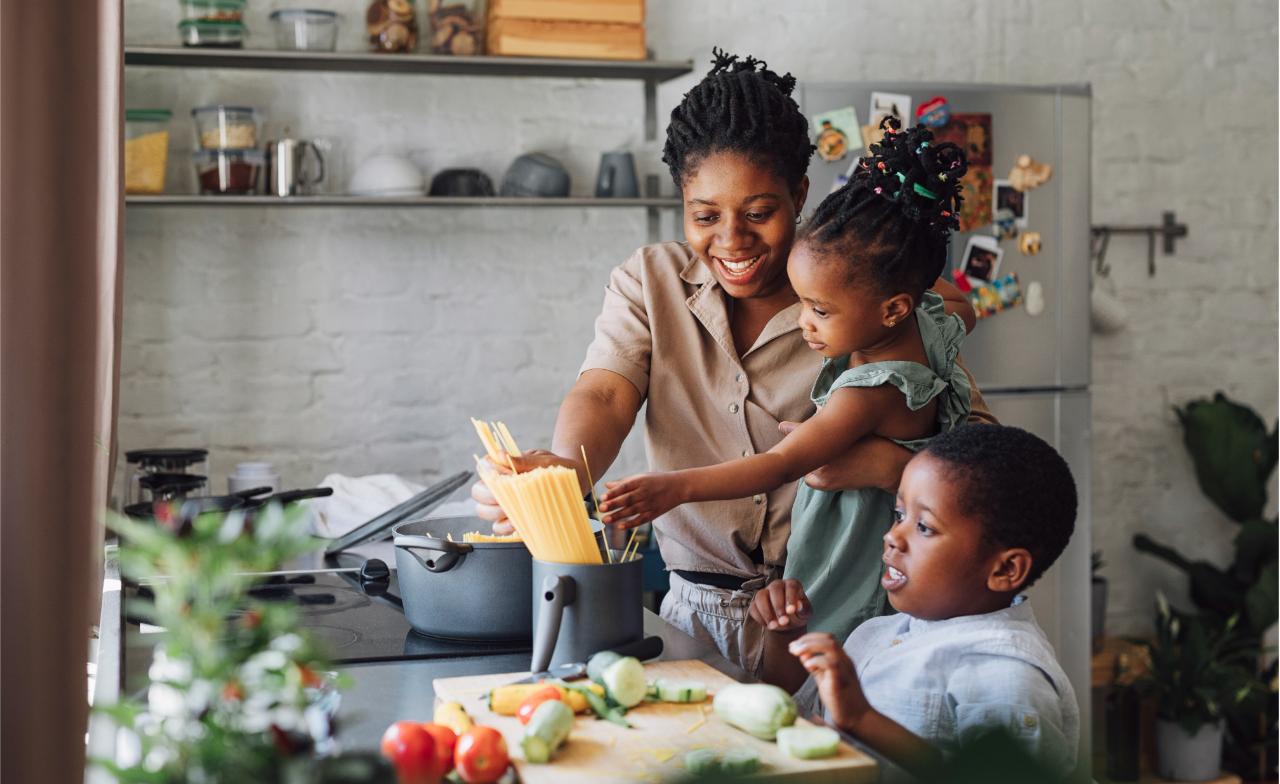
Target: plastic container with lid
457 27
146 149
305 30
213 10
227 127
217 35
221 172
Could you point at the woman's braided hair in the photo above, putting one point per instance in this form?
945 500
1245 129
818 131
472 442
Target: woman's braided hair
743 107
894 218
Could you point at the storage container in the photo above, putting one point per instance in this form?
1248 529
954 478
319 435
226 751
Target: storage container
217 35
305 30
220 172
457 27
146 149
213 10
392 26
226 127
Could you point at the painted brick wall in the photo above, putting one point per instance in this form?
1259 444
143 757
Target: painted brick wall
360 341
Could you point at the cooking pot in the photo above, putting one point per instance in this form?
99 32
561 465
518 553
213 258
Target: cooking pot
579 609
463 590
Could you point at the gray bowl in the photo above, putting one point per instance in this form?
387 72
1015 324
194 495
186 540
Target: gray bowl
536 175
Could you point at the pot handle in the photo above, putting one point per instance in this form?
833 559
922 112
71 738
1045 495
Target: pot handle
445 554
558 592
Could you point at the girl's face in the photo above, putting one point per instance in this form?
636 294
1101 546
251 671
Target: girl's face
839 317
740 218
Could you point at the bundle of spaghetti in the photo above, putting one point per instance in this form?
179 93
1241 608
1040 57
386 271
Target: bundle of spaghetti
547 511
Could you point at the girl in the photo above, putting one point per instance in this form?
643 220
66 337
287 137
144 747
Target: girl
862 269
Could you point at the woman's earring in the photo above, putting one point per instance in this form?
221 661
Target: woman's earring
799 219
893 323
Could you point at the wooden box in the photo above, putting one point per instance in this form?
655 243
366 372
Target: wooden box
540 38
613 11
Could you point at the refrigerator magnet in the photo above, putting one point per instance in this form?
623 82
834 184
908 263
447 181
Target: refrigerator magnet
1027 174
996 297
935 112
1006 197
981 259
1035 298
1029 243
835 129
885 104
1005 225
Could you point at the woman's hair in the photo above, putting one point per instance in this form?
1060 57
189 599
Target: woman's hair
740 106
891 223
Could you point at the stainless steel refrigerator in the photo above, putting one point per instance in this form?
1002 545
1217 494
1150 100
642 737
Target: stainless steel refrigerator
1033 369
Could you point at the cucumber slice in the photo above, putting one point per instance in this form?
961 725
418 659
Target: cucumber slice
680 691
702 762
808 742
600 662
741 761
624 681
547 729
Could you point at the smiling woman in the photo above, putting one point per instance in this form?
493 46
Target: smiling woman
706 332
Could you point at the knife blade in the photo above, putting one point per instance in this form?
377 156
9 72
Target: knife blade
648 648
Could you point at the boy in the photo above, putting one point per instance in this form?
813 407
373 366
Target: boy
981 513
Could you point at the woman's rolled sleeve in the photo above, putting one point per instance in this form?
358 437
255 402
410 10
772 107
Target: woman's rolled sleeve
623 342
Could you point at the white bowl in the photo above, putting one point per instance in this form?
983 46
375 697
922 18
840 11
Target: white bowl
386 175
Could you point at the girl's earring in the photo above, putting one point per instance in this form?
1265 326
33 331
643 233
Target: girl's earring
893 323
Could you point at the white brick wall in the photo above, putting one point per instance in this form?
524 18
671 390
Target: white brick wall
360 341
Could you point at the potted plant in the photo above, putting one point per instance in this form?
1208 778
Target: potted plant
1098 588
1197 673
1234 456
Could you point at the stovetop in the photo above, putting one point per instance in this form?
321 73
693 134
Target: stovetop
357 625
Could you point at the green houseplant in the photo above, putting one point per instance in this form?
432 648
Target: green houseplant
1234 456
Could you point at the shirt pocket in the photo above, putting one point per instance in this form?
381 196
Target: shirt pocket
1021 722
917 711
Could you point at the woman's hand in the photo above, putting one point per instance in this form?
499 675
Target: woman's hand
871 462
782 606
837 679
487 507
641 498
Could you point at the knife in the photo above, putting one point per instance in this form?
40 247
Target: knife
648 648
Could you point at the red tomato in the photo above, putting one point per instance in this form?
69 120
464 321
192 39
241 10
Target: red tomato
390 737
481 755
529 704
445 739
414 755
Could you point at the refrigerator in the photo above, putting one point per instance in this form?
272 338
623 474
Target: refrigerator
1034 370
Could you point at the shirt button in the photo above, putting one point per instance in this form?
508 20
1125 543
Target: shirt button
724 602
759 499
733 408
1030 721
741 378
746 453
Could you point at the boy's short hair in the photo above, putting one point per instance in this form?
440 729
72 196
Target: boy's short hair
1016 485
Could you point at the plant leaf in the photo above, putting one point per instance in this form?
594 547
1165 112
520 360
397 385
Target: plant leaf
1233 453
1261 600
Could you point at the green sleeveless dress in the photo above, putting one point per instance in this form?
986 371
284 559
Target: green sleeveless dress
837 538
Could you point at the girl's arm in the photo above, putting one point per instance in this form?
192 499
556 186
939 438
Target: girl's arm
850 413
954 302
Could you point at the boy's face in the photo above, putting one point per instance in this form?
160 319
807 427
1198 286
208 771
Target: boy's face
937 564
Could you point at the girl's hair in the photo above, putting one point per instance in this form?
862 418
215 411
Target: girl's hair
740 106
894 218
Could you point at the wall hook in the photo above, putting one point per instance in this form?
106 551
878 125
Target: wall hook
1170 230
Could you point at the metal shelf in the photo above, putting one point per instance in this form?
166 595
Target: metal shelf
655 71
416 201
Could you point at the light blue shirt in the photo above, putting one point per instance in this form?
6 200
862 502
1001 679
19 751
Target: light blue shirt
948 681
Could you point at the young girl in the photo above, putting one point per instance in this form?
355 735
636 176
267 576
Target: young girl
862 268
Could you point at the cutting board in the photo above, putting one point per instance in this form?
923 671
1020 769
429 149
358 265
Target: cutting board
541 38
654 748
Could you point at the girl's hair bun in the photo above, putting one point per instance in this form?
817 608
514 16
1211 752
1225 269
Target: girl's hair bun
725 63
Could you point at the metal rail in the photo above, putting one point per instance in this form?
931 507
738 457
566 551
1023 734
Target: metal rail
1170 230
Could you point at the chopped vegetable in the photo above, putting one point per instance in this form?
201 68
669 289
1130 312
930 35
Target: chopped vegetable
505 700
808 742
680 691
453 716
598 663
757 708
741 761
530 704
624 681
602 709
702 762
547 729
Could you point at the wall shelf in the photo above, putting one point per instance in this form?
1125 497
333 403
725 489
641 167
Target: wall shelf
415 202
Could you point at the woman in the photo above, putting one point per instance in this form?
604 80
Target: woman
706 331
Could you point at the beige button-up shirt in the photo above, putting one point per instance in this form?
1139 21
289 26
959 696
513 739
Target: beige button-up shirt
665 328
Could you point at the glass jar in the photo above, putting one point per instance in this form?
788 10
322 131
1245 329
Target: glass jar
226 127
213 10
227 172
212 35
146 149
392 26
457 26
305 30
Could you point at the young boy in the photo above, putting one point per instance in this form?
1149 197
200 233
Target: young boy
981 513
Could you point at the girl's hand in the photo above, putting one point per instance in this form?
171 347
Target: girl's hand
837 679
487 507
639 499
781 606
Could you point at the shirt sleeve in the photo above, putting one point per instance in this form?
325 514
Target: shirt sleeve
998 691
808 701
979 413
623 341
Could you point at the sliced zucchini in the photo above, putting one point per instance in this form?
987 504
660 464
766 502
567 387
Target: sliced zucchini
680 691
702 762
624 681
600 662
742 761
808 742
547 729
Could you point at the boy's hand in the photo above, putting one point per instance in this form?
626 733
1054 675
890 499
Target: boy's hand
837 679
781 606
641 498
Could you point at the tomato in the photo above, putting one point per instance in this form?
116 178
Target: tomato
481 755
413 753
529 704
445 739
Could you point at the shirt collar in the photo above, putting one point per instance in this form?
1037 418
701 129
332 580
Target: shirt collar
1018 610
695 271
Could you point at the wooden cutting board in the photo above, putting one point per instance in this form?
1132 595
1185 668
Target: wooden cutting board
541 38
654 748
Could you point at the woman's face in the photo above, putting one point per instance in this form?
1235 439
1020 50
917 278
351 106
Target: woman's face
740 218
